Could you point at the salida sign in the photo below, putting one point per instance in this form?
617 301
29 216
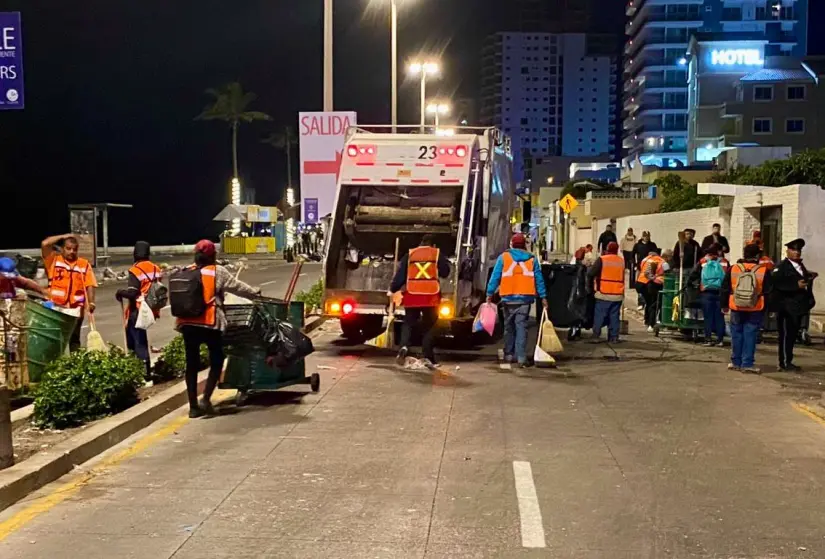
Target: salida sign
322 138
11 61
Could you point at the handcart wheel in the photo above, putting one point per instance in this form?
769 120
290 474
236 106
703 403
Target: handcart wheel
315 382
241 397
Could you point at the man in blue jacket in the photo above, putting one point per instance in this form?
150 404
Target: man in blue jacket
518 280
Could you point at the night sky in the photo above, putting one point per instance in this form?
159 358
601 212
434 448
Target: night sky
112 89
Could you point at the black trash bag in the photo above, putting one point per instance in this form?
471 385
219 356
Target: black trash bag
286 344
577 303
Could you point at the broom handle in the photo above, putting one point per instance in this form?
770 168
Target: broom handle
91 314
123 321
394 266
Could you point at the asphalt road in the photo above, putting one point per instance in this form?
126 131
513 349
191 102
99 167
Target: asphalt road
272 276
647 450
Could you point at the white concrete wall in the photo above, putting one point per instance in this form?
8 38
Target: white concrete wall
664 227
746 210
811 227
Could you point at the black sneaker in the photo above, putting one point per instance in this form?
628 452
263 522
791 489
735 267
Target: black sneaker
206 407
791 368
195 413
401 358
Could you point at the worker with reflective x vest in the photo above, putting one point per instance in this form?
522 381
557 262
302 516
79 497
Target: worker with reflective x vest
709 273
517 279
743 292
141 277
418 276
608 276
196 296
72 281
650 282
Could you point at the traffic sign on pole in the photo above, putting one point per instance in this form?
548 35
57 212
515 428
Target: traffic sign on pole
568 204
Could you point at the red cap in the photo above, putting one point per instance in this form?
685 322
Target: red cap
518 241
612 248
206 247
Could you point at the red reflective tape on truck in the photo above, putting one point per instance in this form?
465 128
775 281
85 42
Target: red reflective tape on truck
394 164
451 180
360 180
420 181
390 180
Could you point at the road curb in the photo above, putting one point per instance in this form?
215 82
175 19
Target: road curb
43 468
314 324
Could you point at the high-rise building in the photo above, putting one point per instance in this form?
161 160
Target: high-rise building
553 94
655 66
548 16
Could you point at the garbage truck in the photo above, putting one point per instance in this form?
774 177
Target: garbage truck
393 188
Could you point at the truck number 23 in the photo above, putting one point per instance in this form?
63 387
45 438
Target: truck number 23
427 152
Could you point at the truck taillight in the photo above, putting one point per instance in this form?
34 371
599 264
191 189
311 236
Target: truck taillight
352 151
348 308
461 151
362 151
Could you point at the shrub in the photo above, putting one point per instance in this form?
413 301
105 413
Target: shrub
312 297
87 385
172 361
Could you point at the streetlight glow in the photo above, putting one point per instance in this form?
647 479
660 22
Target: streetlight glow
438 109
235 198
424 68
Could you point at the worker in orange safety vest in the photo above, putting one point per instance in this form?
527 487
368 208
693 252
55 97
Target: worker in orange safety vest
609 285
418 276
651 279
72 281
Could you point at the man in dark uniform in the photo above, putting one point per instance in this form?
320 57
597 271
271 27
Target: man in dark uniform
793 299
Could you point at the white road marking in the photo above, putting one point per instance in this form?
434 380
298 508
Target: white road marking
532 526
269 282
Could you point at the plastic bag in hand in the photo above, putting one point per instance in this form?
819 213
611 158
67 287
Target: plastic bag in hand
486 318
287 344
145 318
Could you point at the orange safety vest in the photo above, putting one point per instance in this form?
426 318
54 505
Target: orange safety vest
147 273
67 282
517 278
422 272
611 280
648 260
766 262
209 317
735 272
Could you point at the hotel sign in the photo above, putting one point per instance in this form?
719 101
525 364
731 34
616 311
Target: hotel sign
736 57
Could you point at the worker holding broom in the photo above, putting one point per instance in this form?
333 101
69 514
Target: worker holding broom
418 275
72 281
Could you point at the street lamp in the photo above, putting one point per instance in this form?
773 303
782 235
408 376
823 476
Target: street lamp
438 109
394 26
328 55
550 180
290 223
424 69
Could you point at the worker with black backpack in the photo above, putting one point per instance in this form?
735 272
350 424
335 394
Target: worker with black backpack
196 295
743 293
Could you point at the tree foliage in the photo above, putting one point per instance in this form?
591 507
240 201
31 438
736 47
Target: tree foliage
678 195
807 167
579 188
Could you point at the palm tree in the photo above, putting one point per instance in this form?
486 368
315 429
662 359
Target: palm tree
230 105
284 141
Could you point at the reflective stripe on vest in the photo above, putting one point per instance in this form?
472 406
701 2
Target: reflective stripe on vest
66 282
611 280
517 278
643 267
422 271
209 317
147 273
735 272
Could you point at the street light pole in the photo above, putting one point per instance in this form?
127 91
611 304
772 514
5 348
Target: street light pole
328 105
394 25
423 99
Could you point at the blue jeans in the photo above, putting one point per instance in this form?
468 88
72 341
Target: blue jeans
744 331
607 312
515 331
714 319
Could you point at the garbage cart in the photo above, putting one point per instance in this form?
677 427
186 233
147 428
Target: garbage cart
246 368
677 311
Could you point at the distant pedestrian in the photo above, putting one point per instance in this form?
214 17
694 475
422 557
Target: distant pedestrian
743 293
710 274
793 298
607 237
716 238
72 281
608 276
207 326
518 280
141 277
650 283
692 251
418 276
627 245
313 239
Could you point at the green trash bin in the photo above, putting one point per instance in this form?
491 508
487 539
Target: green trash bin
247 371
48 333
